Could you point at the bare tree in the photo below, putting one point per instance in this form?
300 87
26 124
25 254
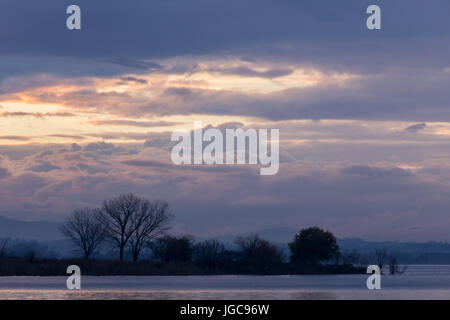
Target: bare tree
380 256
172 249
351 257
129 219
208 253
84 230
4 247
259 254
248 244
394 267
150 221
116 216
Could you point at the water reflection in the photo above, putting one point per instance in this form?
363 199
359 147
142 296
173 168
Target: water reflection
419 282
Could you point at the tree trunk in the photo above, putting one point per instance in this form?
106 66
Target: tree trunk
136 254
121 254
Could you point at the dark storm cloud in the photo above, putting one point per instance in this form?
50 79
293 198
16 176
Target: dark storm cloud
135 64
416 127
318 32
244 71
146 163
375 172
404 66
133 79
43 167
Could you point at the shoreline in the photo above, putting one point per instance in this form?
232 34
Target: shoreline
58 267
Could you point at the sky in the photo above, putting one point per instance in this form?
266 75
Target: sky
364 116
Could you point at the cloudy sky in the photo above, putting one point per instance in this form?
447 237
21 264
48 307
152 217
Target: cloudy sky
364 116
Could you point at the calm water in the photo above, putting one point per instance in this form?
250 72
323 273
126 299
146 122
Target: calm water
419 282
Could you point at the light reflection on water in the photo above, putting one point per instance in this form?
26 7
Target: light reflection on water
224 295
163 295
419 282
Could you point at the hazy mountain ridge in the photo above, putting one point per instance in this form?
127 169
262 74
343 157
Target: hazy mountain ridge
29 230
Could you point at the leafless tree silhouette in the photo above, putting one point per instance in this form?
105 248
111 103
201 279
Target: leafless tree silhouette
380 256
150 221
84 230
259 254
172 249
116 217
394 267
129 219
248 244
4 247
208 252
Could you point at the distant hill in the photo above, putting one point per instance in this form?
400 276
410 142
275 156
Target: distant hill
406 252
278 235
363 246
36 230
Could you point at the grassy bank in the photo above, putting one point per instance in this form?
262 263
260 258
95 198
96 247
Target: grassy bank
55 267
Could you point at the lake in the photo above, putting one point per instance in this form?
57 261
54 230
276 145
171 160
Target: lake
418 282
